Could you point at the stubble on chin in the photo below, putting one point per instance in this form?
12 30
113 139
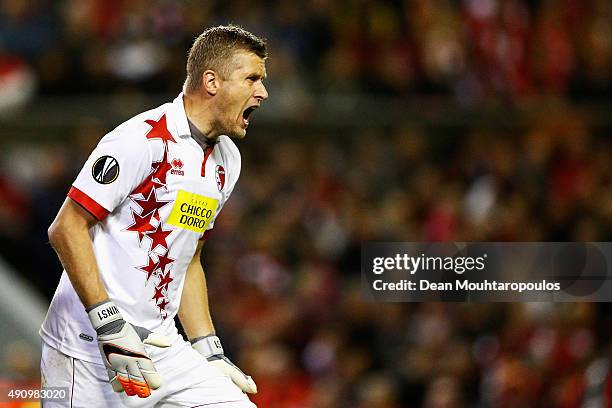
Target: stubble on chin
235 132
240 135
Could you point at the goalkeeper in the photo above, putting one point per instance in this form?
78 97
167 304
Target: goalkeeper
130 236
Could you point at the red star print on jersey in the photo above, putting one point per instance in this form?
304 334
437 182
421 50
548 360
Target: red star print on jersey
150 269
158 295
158 236
164 260
162 308
161 170
157 176
145 197
162 285
165 280
150 203
159 130
142 225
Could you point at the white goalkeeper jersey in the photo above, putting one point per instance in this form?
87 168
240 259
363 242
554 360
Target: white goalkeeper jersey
155 192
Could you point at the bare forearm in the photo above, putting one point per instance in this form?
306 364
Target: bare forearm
70 238
194 312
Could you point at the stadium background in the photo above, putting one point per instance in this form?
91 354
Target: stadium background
400 121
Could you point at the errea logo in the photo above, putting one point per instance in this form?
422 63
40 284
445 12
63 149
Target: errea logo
177 165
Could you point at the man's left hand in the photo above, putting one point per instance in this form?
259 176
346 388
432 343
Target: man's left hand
210 347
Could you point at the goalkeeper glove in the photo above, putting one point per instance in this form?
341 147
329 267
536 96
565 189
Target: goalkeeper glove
122 347
210 347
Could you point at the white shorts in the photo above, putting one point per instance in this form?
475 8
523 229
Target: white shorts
188 381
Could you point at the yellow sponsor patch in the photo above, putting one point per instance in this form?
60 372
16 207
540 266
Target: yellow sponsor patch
192 211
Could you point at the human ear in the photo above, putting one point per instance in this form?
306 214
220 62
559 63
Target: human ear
210 81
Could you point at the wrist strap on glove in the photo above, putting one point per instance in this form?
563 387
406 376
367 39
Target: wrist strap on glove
210 348
207 346
105 317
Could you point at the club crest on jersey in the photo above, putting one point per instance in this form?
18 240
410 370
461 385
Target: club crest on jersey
220 176
105 170
177 165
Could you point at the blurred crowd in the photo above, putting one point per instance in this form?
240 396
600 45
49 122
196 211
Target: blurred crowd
475 50
291 286
283 260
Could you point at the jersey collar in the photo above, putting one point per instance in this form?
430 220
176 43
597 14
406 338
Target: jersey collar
178 117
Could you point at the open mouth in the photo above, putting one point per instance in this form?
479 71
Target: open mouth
246 113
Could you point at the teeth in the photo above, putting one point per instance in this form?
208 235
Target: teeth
247 112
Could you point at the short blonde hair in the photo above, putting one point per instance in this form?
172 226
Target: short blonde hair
213 50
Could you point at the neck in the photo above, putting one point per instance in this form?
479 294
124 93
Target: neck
199 117
199 136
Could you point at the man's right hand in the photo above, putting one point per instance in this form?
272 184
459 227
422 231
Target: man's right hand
122 347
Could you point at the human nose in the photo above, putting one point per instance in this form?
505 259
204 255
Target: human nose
261 94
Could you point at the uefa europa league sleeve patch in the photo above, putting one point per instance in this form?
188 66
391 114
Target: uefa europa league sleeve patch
105 170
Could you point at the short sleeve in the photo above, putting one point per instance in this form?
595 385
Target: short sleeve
119 163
